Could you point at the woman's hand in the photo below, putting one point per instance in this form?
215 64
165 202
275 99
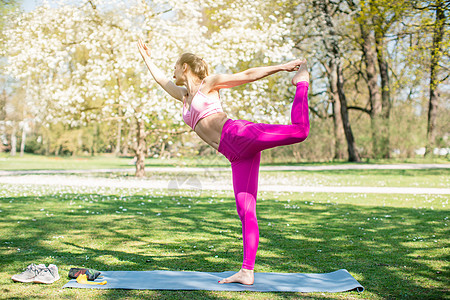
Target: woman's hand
144 50
294 65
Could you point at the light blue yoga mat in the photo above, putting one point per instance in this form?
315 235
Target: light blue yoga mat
338 281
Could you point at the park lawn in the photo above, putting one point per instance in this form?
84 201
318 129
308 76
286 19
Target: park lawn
396 246
423 178
40 162
108 161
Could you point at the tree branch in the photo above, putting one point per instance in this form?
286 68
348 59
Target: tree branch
315 112
368 111
319 93
445 78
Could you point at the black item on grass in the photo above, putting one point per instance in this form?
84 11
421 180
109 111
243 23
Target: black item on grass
91 274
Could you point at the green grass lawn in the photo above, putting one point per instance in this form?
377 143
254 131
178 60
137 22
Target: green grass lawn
424 178
39 162
396 246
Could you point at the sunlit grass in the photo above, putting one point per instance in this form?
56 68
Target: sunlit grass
420 178
394 245
40 162
425 178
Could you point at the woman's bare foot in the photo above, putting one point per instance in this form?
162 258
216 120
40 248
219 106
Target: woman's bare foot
302 74
244 276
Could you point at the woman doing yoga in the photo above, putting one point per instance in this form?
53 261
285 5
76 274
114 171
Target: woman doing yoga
240 141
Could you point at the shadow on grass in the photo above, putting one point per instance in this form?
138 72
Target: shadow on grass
390 251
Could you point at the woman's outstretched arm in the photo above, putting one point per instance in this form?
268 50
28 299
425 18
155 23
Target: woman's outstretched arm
221 81
170 87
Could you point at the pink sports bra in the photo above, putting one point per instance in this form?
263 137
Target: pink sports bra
201 107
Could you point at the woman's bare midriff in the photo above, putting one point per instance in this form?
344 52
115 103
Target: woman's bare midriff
209 129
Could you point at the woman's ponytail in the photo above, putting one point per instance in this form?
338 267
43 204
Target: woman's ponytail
198 66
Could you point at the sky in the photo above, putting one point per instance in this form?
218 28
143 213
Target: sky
29 5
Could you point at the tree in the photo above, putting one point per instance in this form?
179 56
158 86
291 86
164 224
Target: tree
426 44
332 46
7 8
245 34
86 68
438 30
375 19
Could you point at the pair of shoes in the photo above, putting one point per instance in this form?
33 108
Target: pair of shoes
38 274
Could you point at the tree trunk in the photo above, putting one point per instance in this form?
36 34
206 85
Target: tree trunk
339 145
436 53
95 143
119 127
353 154
13 140
140 149
118 139
23 141
79 147
382 150
375 99
3 117
332 46
127 142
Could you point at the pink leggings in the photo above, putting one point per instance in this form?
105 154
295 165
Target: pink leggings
241 143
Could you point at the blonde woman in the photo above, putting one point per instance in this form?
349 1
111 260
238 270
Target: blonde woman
240 141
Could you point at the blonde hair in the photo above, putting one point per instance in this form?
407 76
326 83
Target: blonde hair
198 66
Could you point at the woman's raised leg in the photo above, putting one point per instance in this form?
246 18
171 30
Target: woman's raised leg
256 137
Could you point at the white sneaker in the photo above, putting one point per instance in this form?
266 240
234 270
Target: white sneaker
48 275
30 273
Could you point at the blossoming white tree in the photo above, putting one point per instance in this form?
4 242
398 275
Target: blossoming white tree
80 61
244 34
